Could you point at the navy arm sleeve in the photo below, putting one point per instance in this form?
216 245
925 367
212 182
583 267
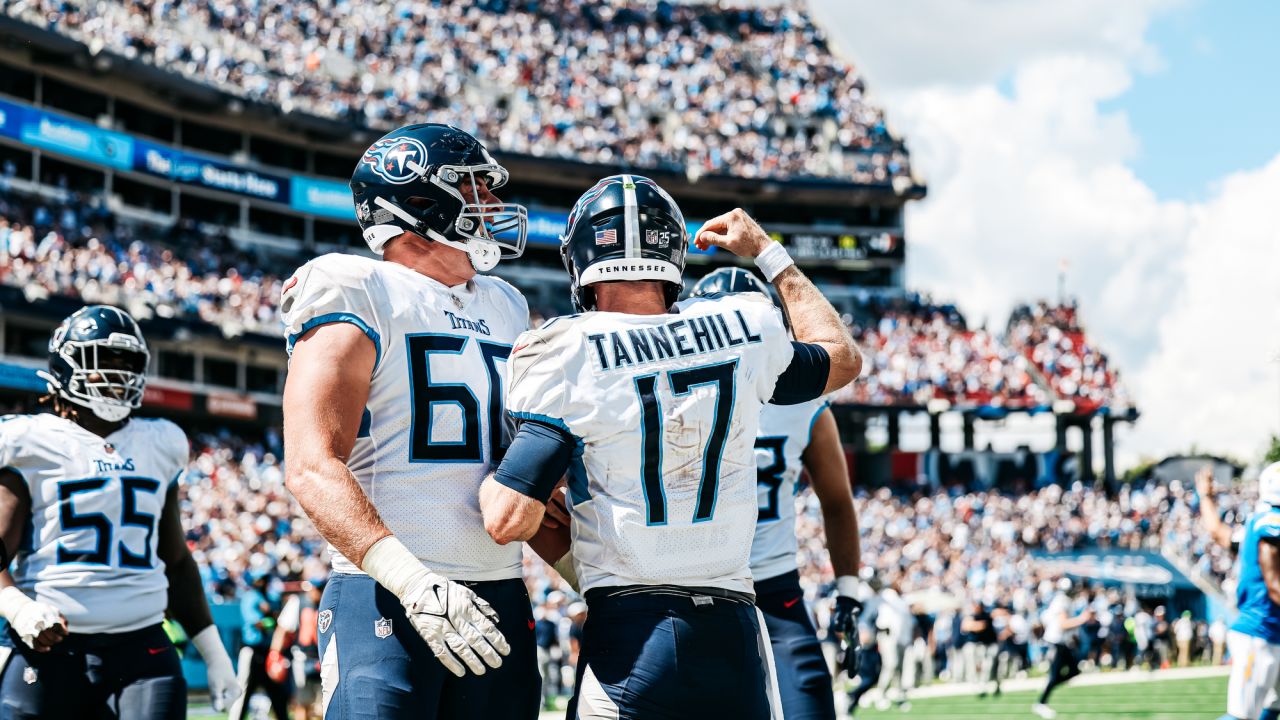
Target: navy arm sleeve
805 378
538 457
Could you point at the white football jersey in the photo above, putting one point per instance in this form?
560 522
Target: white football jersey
96 503
665 409
435 413
780 442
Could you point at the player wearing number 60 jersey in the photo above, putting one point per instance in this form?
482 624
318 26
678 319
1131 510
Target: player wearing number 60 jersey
92 493
651 407
393 414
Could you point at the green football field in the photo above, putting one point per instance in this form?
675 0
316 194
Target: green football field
1201 698
1193 698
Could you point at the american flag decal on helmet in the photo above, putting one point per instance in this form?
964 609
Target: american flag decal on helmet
607 237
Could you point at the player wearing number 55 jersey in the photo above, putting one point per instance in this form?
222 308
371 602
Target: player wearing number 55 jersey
652 406
393 414
92 493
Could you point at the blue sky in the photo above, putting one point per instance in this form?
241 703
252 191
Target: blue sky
1213 106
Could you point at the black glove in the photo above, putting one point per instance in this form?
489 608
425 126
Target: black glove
844 622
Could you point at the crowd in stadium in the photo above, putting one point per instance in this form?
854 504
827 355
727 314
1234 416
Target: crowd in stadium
916 350
1052 338
939 551
748 91
72 246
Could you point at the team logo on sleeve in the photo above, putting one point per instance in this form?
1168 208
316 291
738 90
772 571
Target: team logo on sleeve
393 159
324 620
382 627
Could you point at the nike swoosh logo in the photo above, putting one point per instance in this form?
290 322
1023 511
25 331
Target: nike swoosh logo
156 651
790 603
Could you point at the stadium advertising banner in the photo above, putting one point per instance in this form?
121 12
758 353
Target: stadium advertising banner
20 377
197 170
328 198
818 246
60 134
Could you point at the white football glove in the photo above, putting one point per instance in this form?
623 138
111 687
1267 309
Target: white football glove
223 686
28 617
456 624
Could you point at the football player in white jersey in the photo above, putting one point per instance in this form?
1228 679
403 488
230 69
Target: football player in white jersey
89 507
652 410
393 414
791 439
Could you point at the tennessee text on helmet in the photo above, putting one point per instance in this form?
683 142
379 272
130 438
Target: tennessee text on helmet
98 360
625 227
413 179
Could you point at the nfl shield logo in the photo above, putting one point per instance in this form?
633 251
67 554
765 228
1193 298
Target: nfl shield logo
382 627
324 620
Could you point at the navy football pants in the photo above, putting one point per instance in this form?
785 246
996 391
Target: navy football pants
375 665
804 683
652 654
134 675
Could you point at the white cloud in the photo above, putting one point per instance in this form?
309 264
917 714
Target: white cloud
1022 178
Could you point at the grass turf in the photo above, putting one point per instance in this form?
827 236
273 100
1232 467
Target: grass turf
1160 700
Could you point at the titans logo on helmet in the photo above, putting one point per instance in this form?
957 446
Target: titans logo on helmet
390 159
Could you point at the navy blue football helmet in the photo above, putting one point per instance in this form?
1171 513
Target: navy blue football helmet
98 360
414 179
624 228
729 280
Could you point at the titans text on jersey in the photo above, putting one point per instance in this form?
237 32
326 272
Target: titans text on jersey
434 419
95 508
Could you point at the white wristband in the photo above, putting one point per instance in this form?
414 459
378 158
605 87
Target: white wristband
12 600
848 586
773 261
391 564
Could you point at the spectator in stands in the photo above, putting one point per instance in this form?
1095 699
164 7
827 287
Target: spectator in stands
747 90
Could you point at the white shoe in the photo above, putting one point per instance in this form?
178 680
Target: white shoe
883 704
1044 711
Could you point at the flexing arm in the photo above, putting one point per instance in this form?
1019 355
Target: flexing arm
829 473
1218 530
813 320
1269 561
187 603
324 397
39 624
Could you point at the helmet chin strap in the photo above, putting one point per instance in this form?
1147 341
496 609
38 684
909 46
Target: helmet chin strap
484 256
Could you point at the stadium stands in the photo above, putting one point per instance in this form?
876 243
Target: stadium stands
73 245
746 91
1050 335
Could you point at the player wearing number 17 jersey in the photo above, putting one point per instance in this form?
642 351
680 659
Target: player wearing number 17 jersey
651 407
393 414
